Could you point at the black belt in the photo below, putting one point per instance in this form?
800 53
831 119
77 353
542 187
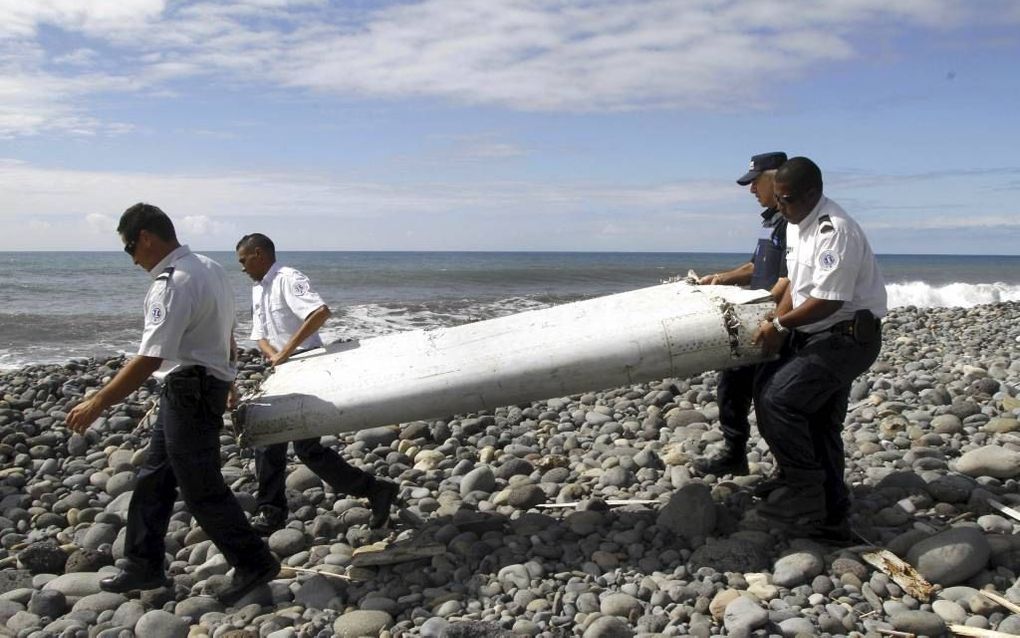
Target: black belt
847 327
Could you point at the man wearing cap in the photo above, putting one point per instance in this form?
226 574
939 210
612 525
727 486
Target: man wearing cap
189 315
286 316
765 269
827 328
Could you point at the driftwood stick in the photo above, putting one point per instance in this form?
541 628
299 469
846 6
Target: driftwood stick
305 570
964 630
896 634
1005 509
1002 600
902 573
610 503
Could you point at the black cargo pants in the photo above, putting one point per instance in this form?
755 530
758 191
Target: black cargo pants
734 393
184 454
271 469
801 401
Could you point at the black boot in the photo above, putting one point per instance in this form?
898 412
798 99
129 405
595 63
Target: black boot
381 498
730 459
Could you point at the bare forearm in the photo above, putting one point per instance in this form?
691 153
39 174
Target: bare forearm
267 349
311 324
739 276
129 379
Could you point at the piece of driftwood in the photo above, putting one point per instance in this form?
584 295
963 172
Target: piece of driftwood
610 503
902 573
896 634
1002 600
386 553
977 632
305 570
1005 509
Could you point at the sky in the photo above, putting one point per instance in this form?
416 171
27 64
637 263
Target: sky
585 125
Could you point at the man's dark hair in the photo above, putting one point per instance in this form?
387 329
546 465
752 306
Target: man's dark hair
143 216
260 241
800 174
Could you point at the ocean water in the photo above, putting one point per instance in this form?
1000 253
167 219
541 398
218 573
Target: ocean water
58 305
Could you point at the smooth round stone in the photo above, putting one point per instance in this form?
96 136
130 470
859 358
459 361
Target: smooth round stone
196 606
949 611
287 541
161 624
923 623
744 615
990 460
47 602
622 605
480 479
355 624
608 627
76 585
100 602
952 556
120 483
796 568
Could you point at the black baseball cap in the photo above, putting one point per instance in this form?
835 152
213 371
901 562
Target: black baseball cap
760 164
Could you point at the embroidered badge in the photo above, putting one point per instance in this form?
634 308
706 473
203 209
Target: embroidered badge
300 287
157 313
828 260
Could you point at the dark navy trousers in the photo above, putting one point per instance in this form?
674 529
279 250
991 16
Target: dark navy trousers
801 401
733 394
271 468
184 454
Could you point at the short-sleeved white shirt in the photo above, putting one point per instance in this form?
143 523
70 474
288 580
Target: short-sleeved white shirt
280 303
189 314
828 257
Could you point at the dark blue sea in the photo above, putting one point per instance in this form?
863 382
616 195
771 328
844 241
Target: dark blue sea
58 305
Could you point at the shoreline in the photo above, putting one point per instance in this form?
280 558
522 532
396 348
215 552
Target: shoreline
931 435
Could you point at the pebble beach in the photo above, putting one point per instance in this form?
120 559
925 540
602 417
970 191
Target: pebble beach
574 516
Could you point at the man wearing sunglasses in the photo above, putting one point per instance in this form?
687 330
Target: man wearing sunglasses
286 316
765 269
827 328
189 316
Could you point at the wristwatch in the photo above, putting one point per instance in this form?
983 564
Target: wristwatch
780 328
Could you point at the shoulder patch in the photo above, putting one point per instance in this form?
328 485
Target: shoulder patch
156 313
825 225
828 260
300 287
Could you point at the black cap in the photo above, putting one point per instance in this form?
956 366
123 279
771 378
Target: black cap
760 164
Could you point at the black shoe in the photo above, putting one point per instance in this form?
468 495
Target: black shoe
769 485
246 579
381 498
268 520
795 504
833 532
731 459
131 579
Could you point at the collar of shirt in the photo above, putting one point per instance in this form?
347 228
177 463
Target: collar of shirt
269 276
806 223
770 217
174 255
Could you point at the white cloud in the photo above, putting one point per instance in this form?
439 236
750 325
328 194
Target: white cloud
602 55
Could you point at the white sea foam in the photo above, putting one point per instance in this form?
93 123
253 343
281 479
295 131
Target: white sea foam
960 295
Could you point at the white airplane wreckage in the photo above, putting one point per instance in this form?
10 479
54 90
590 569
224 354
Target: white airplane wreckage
668 330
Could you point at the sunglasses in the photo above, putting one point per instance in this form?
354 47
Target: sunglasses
787 199
130 247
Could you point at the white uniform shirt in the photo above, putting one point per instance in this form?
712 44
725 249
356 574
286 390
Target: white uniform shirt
280 303
189 314
828 257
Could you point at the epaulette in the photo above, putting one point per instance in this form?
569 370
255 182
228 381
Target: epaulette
166 274
825 224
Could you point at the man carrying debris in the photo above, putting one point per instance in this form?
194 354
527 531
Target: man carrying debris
286 316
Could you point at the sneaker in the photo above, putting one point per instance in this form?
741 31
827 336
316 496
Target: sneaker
246 579
381 499
268 520
730 459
